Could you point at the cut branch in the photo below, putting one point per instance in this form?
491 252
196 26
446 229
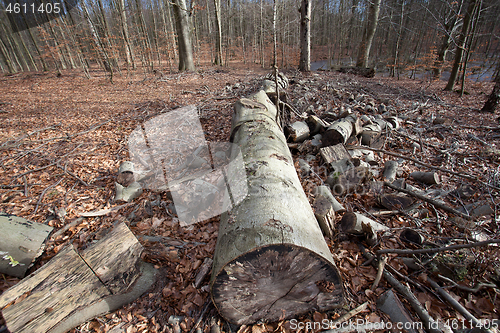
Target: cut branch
439 249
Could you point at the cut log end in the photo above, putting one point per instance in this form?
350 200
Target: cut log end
274 283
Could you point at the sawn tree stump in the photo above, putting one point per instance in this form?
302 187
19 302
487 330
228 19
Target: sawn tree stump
271 261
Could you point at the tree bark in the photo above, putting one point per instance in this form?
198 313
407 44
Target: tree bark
183 25
305 36
371 27
129 52
218 34
271 261
461 46
494 98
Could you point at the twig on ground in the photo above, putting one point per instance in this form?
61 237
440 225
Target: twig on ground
349 314
46 166
72 175
429 323
43 193
202 314
474 289
439 249
438 221
380 270
468 316
426 165
73 223
429 200
105 211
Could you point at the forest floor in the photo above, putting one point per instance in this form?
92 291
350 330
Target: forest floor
63 138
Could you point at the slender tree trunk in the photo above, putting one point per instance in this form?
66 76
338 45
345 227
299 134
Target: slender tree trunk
142 26
494 99
398 40
97 40
261 41
305 36
6 57
371 27
129 52
183 25
461 45
218 34
469 43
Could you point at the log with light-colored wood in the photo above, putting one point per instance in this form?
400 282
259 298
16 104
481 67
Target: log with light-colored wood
334 153
74 286
271 261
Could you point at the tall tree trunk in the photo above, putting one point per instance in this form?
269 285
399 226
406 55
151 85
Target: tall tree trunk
218 34
371 27
398 40
97 40
129 51
142 26
183 26
305 36
461 45
6 57
494 99
469 43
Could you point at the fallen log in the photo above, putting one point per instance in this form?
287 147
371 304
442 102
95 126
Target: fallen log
338 132
271 261
298 131
75 286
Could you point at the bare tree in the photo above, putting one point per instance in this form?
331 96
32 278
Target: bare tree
305 36
494 98
371 27
218 34
461 44
183 25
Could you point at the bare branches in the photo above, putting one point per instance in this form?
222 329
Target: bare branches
429 200
439 249
426 165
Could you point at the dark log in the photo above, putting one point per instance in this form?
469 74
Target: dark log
360 225
271 261
361 71
338 132
429 178
396 202
372 139
316 125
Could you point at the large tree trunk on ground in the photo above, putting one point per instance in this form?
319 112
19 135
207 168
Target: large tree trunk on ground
305 36
183 25
271 261
371 27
